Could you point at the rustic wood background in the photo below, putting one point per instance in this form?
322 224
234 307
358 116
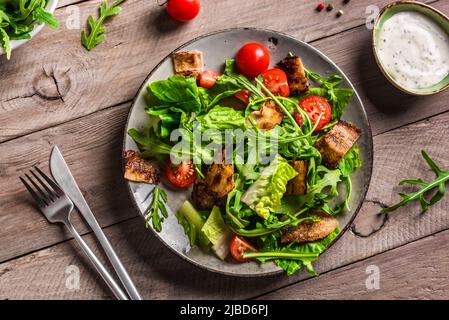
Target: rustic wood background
53 91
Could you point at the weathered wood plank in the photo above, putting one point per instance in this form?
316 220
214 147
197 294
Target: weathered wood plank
417 270
396 157
91 145
57 85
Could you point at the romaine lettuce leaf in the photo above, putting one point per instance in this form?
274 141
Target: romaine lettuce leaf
265 194
218 233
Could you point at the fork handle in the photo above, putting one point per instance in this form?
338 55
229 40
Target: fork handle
118 292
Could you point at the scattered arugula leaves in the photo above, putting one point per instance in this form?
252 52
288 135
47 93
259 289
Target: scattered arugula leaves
97 30
438 184
157 205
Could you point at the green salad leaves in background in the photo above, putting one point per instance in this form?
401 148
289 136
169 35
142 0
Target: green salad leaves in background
17 20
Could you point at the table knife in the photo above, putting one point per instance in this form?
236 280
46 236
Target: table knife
64 178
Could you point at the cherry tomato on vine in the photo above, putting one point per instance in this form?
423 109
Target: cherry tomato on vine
238 247
181 175
252 59
315 106
276 82
183 10
208 78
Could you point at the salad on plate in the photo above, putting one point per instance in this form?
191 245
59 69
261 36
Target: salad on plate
263 151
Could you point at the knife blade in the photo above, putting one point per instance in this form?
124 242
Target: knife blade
61 173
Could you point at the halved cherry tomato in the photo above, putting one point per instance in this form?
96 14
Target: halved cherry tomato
276 81
315 106
183 10
208 78
243 95
181 175
238 247
252 59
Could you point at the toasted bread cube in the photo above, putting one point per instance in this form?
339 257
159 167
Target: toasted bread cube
296 75
188 63
298 185
310 231
268 117
337 142
138 169
220 179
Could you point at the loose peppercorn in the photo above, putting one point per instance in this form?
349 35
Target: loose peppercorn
339 13
330 7
346 1
320 6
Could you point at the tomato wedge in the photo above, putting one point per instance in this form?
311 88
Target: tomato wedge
181 175
252 59
276 82
208 78
243 95
315 106
238 247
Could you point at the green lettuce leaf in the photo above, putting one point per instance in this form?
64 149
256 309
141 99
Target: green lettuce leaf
265 194
218 233
222 118
177 91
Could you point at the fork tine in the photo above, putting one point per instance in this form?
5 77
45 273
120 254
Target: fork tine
52 193
45 198
53 184
36 198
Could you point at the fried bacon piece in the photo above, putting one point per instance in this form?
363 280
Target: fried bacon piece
188 63
296 76
310 231
298 185
337 142
138 169
268 117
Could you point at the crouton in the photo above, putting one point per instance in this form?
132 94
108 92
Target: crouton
268 117
310 231
138 169
204 198
220 179
337 142
188 63
298 185
296 76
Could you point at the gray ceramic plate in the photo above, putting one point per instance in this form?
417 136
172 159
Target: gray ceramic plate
216 47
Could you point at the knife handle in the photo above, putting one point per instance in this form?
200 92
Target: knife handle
113 258
115 288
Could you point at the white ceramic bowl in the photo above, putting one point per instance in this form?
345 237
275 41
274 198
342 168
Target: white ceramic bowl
51 7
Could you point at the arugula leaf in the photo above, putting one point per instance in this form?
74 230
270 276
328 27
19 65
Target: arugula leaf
46 17
439 184
157 205
97 30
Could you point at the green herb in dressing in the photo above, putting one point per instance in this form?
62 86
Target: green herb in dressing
414 50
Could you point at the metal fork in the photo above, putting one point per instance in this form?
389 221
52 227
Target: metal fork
56 206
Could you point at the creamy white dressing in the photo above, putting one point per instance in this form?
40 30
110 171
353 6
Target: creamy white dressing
414 50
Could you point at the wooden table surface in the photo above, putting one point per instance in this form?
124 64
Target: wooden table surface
53 91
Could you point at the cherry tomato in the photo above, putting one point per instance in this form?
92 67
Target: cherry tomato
238 247
252 59
208 78
181 175
243 95
315 106
183 10
276 81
